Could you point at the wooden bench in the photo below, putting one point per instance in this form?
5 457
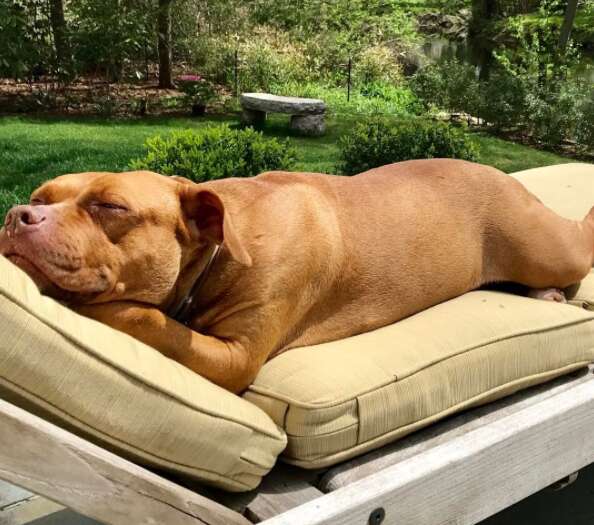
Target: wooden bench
461 470
307 114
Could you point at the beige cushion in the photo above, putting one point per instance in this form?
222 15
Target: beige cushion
340 399
583 293
114 389
566 188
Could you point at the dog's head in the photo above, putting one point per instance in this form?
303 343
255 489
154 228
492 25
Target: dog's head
98 237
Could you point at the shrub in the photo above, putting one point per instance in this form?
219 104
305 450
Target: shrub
267 58
377 64
450 85
215 153
585 124
372 99
377 142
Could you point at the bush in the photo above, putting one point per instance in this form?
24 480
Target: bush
377 64
372 99
449 85
377 142
215 153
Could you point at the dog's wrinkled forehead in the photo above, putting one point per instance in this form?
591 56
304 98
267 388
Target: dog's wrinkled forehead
137 190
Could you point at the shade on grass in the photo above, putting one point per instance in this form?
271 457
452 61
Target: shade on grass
33 150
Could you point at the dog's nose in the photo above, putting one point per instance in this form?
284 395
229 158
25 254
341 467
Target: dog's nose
24 218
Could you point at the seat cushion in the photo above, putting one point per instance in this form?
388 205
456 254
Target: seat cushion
567 189
340 399
113 389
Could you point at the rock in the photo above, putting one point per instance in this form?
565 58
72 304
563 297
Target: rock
253 118
308 124
444 24
307 114
277 104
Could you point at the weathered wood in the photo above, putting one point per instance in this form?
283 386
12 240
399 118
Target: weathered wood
283 489
444 431
472 476
52 462
9 494
35 508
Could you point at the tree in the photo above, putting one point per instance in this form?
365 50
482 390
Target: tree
164 43
58 25
570 12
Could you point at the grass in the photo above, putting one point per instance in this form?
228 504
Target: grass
33 150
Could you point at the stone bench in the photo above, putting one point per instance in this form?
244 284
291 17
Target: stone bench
307 114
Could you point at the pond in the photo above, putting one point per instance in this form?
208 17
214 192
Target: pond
437 48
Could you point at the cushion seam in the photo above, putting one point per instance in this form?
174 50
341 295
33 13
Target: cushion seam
63 413
453 409
95 355
278 396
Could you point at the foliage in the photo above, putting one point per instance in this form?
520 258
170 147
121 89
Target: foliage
377 142
35 150
369 100
197 89
110 36
268 58
450 85
377 64
25 38
215 153
530 92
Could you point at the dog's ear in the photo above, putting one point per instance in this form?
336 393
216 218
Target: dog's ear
206 210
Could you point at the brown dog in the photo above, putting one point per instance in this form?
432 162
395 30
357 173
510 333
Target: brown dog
304 257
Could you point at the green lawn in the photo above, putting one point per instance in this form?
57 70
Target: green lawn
33 150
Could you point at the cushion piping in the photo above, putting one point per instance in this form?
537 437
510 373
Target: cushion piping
366 446
73 339
264 391
132 449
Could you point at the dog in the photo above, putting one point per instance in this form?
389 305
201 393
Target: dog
223 275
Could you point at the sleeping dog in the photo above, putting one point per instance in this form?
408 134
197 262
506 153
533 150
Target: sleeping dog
223 275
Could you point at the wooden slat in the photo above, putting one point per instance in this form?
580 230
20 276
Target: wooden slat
9 494
52 462
423 440
472 476
283 489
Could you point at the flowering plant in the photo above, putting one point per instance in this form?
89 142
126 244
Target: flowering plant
196 88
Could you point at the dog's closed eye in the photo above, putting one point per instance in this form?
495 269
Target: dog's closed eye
110 206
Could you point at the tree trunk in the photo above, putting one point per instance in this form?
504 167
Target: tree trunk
58 24
567 26
164 43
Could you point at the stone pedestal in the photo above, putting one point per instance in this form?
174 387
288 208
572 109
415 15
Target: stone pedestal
308 124
252 117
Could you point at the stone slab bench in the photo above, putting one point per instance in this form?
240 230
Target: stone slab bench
307 114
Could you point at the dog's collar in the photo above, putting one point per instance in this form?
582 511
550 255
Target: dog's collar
182 313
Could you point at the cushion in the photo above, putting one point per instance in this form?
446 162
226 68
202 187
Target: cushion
340 399
583 293
113 389
566 188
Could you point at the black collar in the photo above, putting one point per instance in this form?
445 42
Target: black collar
183 312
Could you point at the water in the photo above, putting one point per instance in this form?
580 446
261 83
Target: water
437 48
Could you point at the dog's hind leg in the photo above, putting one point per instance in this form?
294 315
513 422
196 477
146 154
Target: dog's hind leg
534 246
548 294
